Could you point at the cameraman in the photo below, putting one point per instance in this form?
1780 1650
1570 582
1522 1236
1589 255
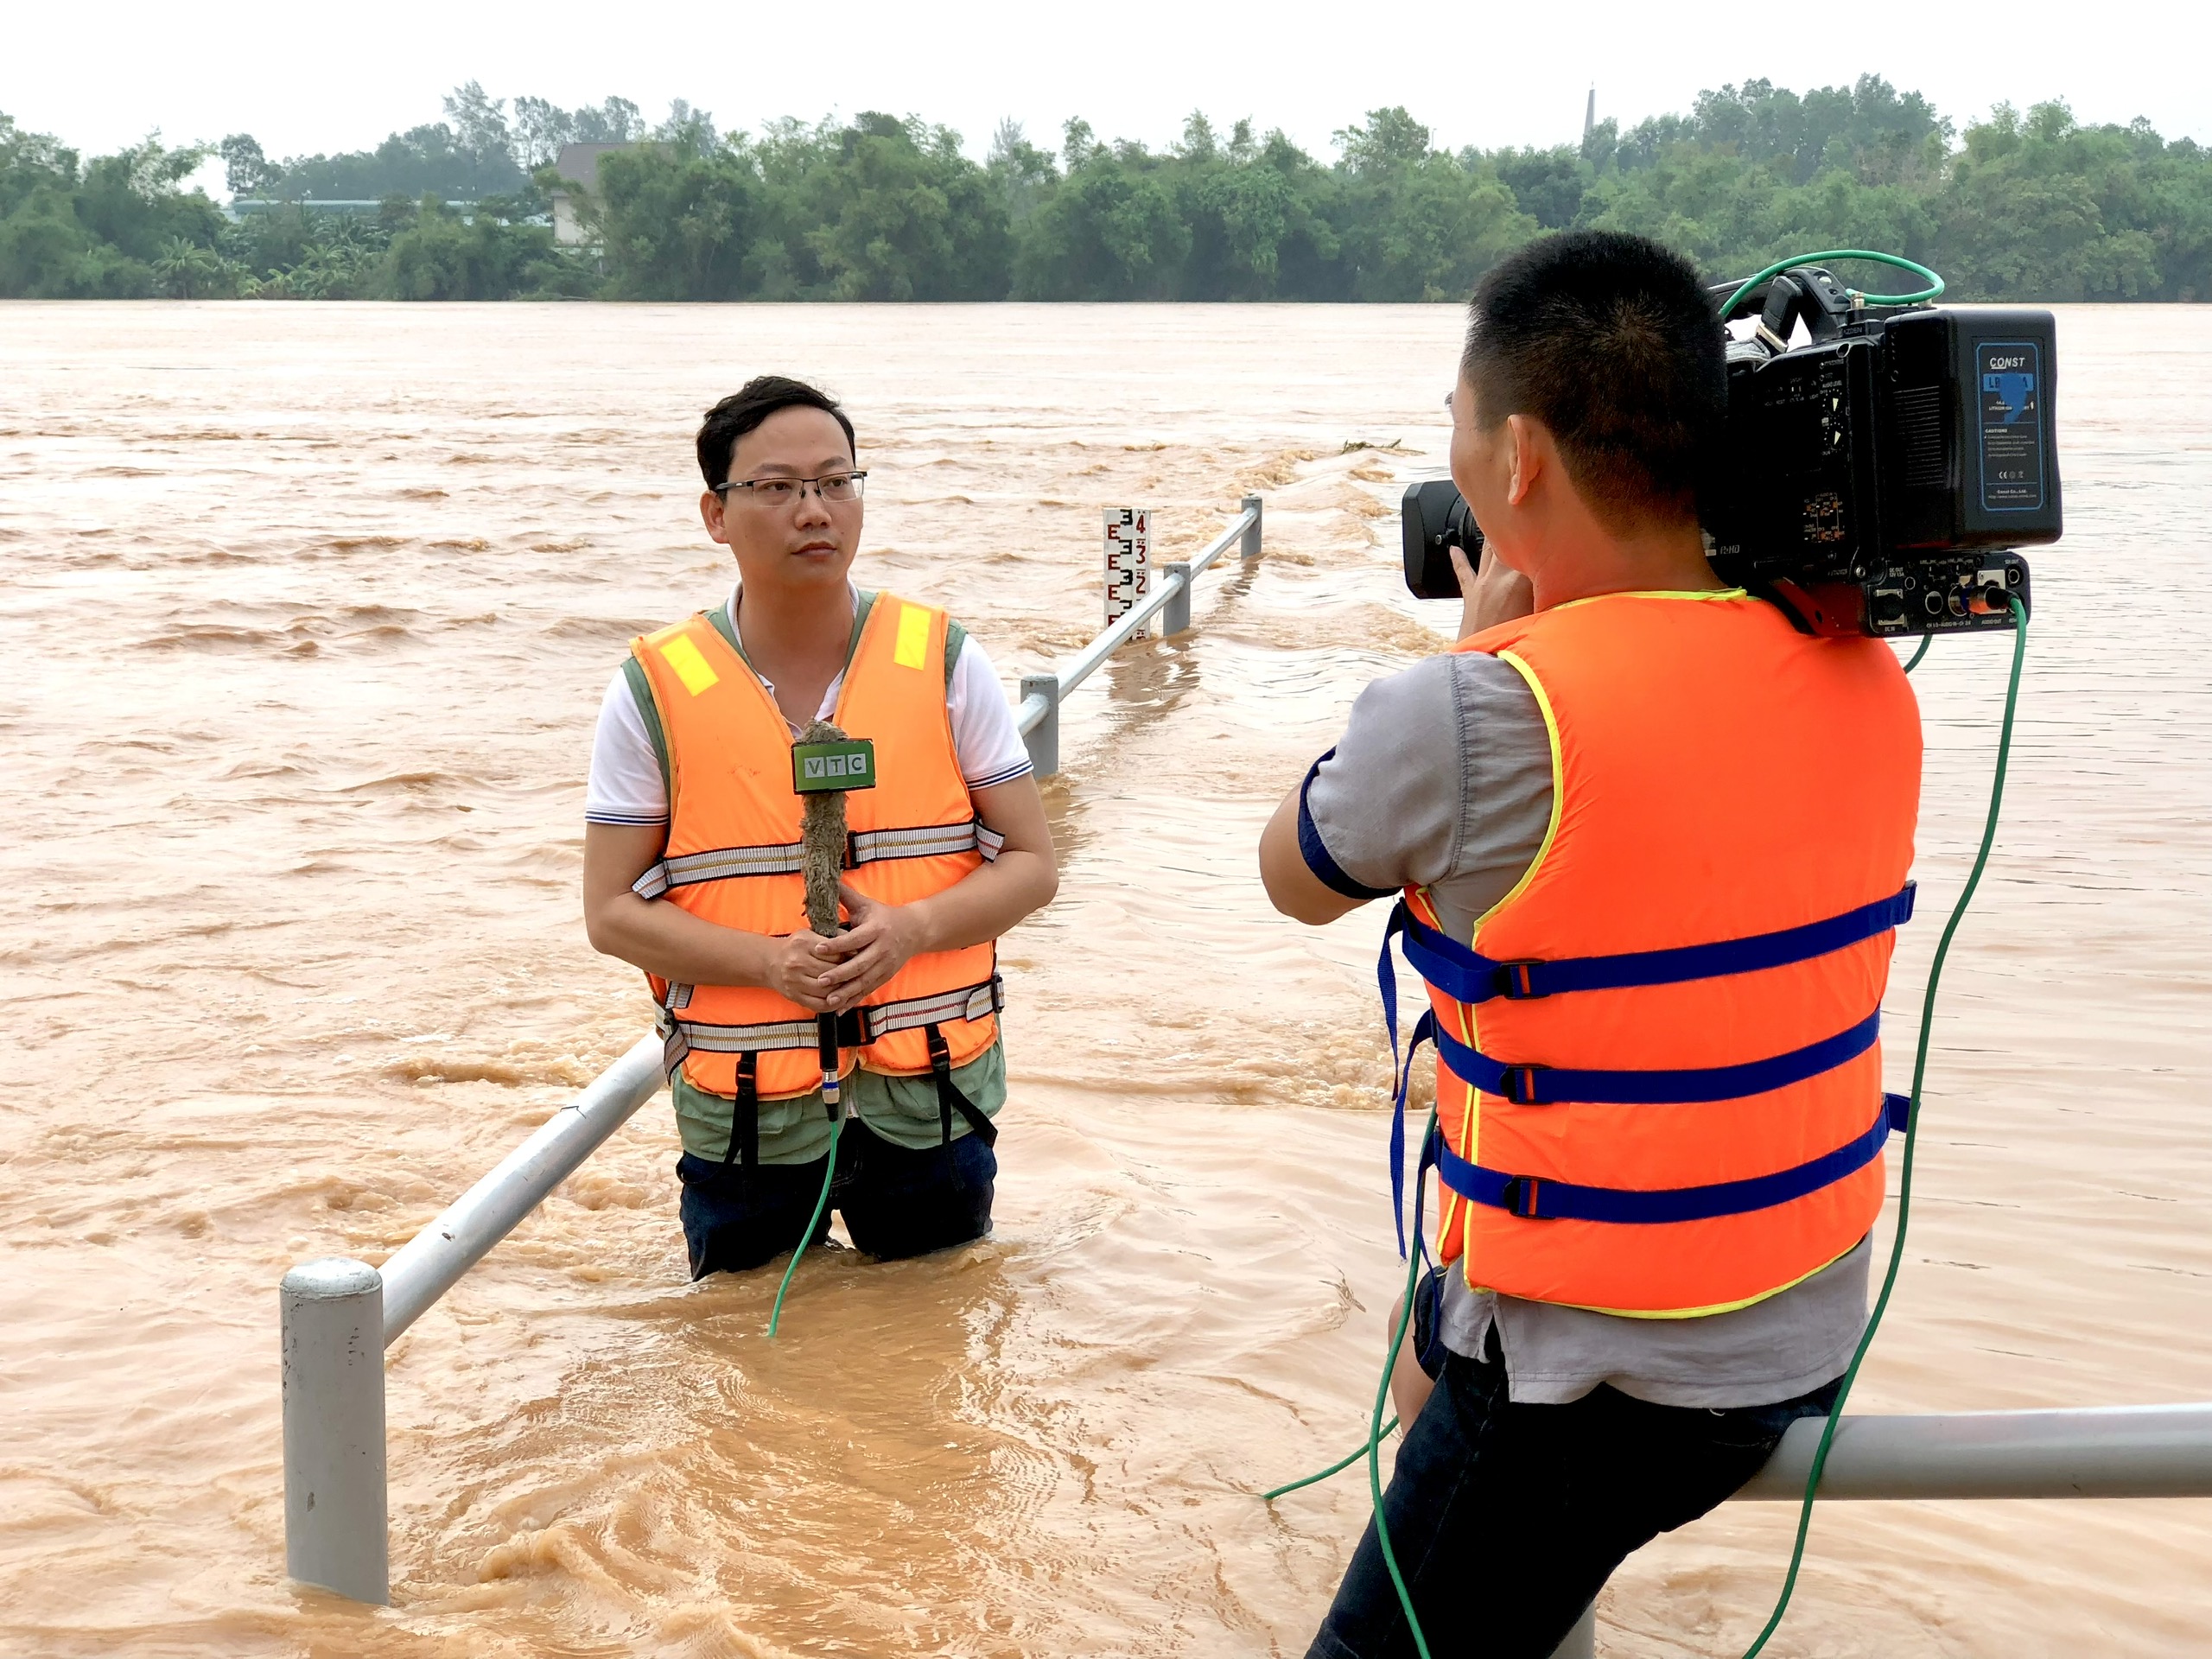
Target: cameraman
1620 756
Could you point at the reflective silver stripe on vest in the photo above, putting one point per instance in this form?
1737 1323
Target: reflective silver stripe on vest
719 864
923 841
864 847
966 1003
748 1040
681 1037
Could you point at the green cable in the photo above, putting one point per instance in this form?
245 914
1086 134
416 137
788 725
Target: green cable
1912 1124
830 1174
1375 1432
1926 640
1337 1467
1933 289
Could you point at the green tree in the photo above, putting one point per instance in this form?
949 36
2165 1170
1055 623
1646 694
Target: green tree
187 270
1023 173
2026 214
678 224
1417 224
906 216
93 230
1111 230
2033 207
1547 184
1257 215
488 256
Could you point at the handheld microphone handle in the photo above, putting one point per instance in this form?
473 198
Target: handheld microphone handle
821 838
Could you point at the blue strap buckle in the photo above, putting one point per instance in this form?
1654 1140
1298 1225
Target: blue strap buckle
1519 1197
1516 981
1520 1083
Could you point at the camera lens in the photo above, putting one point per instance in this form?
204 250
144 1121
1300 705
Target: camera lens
1434 519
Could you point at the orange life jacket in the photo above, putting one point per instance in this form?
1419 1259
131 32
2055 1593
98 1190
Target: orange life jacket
1659 1080
734 856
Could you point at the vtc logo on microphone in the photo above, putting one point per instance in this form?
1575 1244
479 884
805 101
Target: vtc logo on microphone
849 764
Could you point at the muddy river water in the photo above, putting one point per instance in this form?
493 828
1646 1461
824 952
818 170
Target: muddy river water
305 613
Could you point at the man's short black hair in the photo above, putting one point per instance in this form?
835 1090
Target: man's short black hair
1612 341
745 408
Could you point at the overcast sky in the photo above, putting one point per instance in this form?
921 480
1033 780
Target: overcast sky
324 78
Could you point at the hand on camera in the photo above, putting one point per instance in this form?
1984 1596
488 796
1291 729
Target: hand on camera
1497 594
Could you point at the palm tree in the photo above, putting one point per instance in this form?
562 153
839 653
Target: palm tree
182 265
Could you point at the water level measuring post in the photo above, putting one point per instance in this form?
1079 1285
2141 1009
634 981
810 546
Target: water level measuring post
1038 716
1128 564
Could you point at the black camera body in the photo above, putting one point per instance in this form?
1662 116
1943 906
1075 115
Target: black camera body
1875 478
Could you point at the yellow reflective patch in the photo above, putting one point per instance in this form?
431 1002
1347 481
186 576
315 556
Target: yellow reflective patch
690 667
913 638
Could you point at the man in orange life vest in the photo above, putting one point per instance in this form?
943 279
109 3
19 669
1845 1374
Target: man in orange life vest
692 862
1652 846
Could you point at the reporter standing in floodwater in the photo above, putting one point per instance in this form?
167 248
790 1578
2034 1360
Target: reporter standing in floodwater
1660 1143
692 862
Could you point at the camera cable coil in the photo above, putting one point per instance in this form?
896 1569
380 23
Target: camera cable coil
1933 290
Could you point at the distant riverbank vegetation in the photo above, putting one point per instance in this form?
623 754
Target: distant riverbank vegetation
2024 206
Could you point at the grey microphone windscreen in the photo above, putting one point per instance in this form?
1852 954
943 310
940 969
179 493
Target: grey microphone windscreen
822 837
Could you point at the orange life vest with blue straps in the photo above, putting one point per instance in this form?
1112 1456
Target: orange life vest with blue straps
734 857
1659 1077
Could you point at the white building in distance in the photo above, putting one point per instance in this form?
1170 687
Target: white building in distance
578 165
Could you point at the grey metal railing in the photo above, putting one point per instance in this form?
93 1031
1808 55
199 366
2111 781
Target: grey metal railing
2092 1452
1038 716
2095 1452
338 1316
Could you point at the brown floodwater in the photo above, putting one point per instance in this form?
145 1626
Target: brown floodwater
306 615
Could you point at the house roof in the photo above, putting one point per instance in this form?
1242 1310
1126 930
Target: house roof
580 162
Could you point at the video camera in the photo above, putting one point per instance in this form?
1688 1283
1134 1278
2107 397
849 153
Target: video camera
1876 475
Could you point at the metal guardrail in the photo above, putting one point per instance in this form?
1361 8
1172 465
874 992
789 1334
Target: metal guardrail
2095 1452
338 1316
1038 718
2092 1452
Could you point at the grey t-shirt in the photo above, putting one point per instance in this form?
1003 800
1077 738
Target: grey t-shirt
1443 780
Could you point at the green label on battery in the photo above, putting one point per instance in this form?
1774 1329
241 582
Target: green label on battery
847 765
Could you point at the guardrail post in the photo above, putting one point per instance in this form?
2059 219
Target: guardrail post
334 1516
1581 1642
1043 738
1250 548
1176 616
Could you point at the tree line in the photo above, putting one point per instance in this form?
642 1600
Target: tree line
2018 207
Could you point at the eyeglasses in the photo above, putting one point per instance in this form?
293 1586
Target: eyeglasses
839 487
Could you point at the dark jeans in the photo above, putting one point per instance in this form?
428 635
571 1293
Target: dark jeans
1507 1519
896 1201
